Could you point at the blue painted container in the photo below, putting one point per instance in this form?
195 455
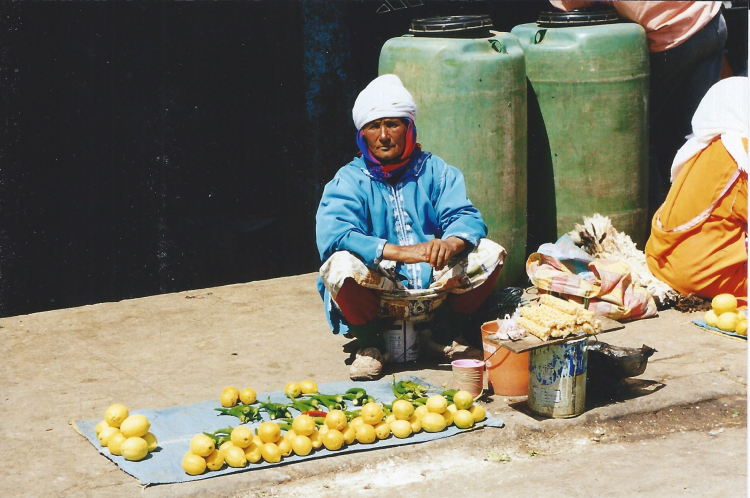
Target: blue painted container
557 379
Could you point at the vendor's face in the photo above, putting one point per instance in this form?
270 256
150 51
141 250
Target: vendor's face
385 138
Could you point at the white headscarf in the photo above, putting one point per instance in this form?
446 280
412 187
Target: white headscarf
723 112
384 97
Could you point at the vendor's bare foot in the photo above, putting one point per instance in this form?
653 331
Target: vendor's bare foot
368 364
458 350
461 351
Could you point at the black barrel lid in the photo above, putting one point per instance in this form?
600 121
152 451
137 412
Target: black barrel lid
476 26
578 17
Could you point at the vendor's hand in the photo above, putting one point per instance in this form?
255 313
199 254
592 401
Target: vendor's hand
436 252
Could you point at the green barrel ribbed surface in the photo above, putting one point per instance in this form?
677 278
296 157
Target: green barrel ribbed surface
471 98
588 127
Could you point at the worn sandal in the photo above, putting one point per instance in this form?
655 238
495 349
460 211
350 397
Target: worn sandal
368 364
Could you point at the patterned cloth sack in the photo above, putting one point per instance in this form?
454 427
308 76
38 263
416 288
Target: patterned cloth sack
602 286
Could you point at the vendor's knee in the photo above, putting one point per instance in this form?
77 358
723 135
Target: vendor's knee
469 302
358 304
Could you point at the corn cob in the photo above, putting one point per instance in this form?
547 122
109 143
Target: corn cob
549 317
559 304
584 316
534 328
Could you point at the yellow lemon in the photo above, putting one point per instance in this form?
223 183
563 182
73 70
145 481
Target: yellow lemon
402 409
401 428
215 460
115 443
290 434
292 389
333 439
234 456
436 403
452 408
356 422
302 445
366 434
416 424
241 436
323 429
371 413
228 399
254 452
225 445
202 445
350 435
727 321
135 426
248 396
463 419
303 425
308 387
741 328
710 318
478 412
269 432
106 434
433 422
115 414
134 448
316 439
383 430
193 464
463 400
390 418
448 416
101 425
724 303
151 441
285 447
421 410
271 453
336 419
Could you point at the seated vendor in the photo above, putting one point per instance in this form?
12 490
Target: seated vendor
396 222
698 238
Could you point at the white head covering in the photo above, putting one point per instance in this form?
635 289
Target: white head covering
384 97
723 112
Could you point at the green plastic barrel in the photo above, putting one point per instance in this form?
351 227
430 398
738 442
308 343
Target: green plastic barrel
470 88
588 123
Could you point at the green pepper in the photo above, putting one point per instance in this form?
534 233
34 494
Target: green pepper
245 413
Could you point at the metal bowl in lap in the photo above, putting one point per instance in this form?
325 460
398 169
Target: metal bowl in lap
416 305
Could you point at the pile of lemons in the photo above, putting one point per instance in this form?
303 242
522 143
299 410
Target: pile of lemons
725 315
124 434
304 437
231 395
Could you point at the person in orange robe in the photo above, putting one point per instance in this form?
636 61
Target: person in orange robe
698 240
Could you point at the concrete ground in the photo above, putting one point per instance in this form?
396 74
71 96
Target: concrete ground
184 348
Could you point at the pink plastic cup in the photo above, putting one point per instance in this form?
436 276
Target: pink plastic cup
468 375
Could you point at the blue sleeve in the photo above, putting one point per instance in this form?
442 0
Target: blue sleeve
456 214
341 223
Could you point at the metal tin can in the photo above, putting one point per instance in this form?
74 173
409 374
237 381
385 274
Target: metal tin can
557 379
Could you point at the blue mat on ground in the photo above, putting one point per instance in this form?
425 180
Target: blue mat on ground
174 428
702 324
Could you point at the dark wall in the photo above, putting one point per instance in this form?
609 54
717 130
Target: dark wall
151 147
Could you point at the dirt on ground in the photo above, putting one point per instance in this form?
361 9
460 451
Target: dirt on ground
711 416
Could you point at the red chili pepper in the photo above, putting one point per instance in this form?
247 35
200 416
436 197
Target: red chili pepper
316 413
